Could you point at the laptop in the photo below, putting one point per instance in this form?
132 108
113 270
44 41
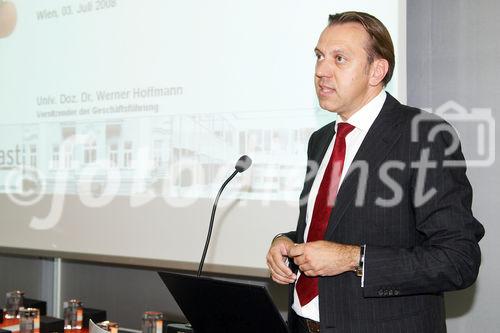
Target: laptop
212 305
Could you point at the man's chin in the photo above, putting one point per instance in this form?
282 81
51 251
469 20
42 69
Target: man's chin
328 106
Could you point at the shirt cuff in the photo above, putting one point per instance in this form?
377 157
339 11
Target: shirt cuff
363 269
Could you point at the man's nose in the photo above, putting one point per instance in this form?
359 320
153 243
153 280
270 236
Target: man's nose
323 69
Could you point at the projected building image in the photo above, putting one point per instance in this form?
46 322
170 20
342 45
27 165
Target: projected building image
173 155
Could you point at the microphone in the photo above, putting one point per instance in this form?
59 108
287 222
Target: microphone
243 163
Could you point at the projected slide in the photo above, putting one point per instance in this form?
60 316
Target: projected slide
120 119
157 97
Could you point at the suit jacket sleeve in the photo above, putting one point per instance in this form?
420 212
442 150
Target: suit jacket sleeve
448 257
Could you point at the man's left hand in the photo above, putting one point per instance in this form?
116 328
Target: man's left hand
323 258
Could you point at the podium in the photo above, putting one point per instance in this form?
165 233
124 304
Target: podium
213 305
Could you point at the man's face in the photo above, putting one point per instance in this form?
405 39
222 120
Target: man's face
342 70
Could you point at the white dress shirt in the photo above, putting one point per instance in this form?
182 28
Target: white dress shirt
362 120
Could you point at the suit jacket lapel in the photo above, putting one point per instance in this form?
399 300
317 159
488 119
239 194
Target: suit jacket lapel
374 148
318 151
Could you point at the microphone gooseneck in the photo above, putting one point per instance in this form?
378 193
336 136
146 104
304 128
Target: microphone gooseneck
243 164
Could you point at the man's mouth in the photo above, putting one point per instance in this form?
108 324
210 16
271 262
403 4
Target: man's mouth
325 90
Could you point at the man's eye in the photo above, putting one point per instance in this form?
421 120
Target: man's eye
319 56
339 58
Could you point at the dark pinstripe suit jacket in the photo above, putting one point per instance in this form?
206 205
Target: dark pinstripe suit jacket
416 248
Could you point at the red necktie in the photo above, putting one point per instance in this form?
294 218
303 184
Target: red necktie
307 287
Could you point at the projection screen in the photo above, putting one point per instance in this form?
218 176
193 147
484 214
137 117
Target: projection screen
121 119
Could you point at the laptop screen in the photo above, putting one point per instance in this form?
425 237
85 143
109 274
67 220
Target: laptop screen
213 305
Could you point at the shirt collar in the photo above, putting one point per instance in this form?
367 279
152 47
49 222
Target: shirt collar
364 117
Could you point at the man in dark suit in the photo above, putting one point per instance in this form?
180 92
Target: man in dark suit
385 223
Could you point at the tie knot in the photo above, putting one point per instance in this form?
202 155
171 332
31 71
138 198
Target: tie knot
343 129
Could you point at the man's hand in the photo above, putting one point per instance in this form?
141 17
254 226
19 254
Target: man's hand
323 258
276 260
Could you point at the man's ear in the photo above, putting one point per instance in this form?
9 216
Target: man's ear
378 72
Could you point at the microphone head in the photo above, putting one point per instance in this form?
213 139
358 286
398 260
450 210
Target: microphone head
243 163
